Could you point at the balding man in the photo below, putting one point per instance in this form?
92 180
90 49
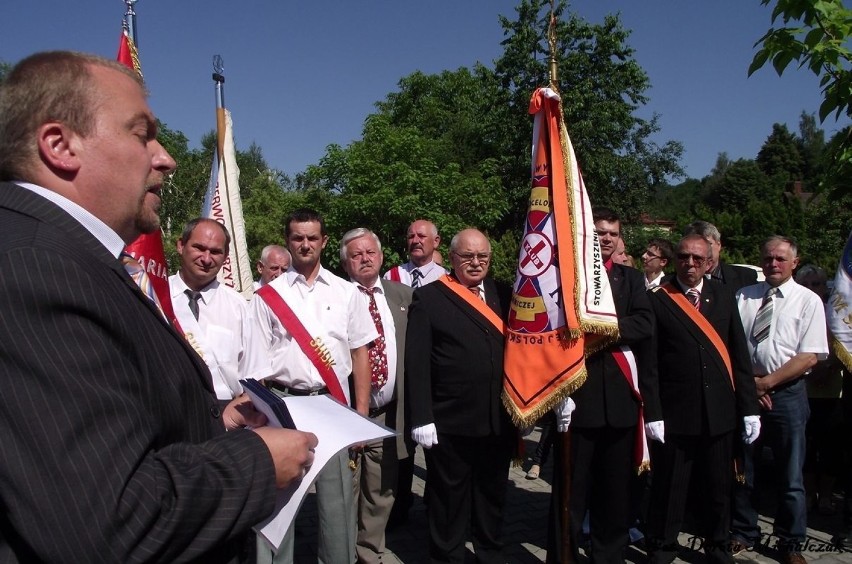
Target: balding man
421 241
731 276
274 260
454 380
209 313
786 331
120 449
699 393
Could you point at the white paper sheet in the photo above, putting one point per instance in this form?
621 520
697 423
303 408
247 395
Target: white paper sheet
337 427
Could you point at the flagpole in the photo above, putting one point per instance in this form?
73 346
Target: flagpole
219 79
567 544
130 21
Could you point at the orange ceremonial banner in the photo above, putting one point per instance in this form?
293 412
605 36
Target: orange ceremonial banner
562 306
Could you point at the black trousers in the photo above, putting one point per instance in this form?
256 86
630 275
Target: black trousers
467 479
708 459
601 483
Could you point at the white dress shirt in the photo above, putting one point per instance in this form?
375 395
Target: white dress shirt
217 334
655 282
430 272
331 309
380 397
798 325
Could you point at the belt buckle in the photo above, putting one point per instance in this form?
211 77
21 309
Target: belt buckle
313 393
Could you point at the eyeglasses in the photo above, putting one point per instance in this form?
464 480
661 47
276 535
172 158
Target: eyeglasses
651 255
698 260
468 257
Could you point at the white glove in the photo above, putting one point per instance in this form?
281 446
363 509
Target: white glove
425 435
656 431
751 428
563 413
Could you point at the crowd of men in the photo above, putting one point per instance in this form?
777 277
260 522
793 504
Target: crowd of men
127 436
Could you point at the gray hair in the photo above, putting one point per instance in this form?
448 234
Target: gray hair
268 249
703 228
353 234
780 239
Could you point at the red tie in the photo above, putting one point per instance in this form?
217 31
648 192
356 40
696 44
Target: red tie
378 356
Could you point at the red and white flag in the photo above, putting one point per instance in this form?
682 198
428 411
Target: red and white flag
147 249
222 202
562 306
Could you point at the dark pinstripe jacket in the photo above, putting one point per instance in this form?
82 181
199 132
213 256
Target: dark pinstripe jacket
112 446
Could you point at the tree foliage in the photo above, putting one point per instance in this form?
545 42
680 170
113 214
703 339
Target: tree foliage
815 34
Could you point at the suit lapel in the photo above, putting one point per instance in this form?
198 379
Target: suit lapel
23 201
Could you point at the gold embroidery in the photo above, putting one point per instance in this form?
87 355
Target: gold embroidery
322 351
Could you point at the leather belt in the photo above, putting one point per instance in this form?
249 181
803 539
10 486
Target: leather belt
272 384
376 411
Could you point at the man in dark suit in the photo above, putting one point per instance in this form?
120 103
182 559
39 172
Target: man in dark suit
733 277
361 257
454 380
114 446
607 405
699 391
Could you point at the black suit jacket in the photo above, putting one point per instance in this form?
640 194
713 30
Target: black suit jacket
398 297
454 362
687 387
736 277
605 398
113 449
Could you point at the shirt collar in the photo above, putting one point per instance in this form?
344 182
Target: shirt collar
684 287
99 230
292 276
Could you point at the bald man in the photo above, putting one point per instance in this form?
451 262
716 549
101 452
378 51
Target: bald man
454 378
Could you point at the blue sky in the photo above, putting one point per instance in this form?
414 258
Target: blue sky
303 74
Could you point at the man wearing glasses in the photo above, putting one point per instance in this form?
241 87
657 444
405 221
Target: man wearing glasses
454 380
700 392
657 256
732 276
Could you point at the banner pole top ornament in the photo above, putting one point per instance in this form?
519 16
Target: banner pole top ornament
551 41
218 68
130 21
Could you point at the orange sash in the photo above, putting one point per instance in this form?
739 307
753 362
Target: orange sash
680 300
474 302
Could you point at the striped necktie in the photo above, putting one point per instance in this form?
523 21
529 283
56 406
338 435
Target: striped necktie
763 319
694 297
416 275
138 274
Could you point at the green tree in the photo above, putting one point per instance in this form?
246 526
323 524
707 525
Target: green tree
602 87
815 34
780 155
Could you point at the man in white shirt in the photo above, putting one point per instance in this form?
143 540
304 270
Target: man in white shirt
388 301
422 240
334 314
210 314
785 326
274 260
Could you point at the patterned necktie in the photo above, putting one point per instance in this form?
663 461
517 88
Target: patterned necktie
378 355
476 291
763 320
138 274
694 297
193 301
416 275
